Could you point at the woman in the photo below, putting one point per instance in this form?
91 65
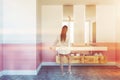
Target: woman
63 50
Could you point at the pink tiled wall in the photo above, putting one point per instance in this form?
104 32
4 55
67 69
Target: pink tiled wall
1 60
38 54
111 52
48 55
19 56
26 57
118 53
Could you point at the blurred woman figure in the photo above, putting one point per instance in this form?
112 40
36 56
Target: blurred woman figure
63 51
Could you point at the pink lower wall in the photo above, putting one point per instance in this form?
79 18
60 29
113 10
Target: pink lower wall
19 56
118 53
111 52
26 57
1 60
38 54
48 55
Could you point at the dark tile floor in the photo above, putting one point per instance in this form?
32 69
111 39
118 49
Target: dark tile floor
78 73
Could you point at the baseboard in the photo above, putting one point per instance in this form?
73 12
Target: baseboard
1 73
19 72
56 64
50 64
38 69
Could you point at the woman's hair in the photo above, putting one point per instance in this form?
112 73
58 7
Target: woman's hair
63 33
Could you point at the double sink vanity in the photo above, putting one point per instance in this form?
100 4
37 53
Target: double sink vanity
86 54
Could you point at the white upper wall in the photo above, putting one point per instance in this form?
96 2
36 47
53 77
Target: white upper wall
118 24
51 22
52 18
105 23
79 18
39 12
1 20
19 21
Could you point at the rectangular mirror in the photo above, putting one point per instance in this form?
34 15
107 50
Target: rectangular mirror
90 24
68 20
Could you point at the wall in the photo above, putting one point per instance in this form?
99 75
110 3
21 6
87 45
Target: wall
105 29
19 21
38 36
51 27
19 34
104 21
1 20
79 18
51 30
1 28
38 12
19 56
51 22
118 33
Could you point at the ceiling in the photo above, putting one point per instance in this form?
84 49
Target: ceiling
75 2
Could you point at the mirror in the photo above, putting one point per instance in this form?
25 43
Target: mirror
90 24
68 20
67 12
89 27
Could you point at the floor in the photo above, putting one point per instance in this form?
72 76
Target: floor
78 73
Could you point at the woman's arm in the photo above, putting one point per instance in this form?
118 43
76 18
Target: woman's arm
55 43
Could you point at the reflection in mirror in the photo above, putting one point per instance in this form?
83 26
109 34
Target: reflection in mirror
67 12
90 24
68 20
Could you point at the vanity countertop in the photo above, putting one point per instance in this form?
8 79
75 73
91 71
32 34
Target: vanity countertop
87 48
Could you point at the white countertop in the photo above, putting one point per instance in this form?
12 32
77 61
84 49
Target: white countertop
87 48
